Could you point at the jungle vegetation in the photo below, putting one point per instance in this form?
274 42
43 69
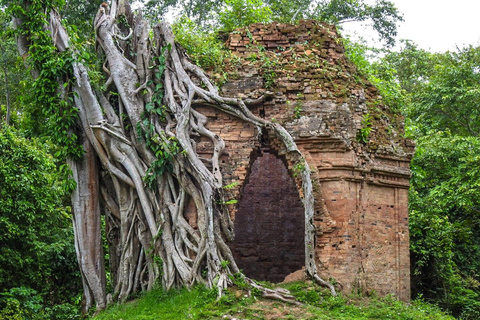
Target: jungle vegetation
92 92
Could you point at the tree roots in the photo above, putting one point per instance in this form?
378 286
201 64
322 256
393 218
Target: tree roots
137 136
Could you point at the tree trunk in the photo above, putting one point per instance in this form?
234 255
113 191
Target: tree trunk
87 227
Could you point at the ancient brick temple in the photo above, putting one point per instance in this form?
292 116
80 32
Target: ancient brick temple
352 141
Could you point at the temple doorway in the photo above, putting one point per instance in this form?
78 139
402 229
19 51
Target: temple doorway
270 223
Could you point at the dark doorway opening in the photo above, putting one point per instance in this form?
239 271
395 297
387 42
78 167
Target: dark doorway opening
270 223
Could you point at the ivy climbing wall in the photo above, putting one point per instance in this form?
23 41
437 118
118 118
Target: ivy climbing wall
352 141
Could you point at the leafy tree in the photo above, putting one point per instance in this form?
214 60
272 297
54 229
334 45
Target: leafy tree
443 88
444 222
80 15
204 48
241 13
230 14
379 73
384 16
202 12
451 97
36 251
413 65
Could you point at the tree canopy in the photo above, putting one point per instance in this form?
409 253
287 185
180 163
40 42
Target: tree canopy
230 14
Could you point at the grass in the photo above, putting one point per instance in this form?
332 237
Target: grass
158 304
200 303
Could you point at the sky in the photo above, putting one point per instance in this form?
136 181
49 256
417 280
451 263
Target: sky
434 25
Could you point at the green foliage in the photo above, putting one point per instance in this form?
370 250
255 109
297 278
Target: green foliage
21 303
207 51
164 148
80 13
230 186
48 110
360 307
158 304
269 78
364 132
298 169
360 54
384 16
444 205
12 73
297 110
36 232
413 66
199 11
49 113
441 97
266 62
239 280
224 264
443 89
231 14
439 94
450 97
241 13
383 75
204 48
26 304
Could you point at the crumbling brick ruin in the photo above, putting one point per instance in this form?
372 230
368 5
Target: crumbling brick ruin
351 140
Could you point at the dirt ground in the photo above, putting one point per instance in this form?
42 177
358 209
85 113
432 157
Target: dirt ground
270 310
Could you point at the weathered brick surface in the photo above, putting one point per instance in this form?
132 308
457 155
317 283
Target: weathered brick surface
361 189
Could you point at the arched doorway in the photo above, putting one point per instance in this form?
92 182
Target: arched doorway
270 223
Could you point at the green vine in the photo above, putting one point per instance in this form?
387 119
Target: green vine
51 108
164 148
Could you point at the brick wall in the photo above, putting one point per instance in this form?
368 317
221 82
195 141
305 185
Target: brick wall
361 188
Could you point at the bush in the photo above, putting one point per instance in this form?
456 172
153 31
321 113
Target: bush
205 49
241 13
26 304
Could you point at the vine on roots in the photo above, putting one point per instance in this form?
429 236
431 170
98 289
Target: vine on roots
164 148
180 220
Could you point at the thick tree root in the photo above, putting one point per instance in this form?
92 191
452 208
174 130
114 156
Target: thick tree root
274 294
